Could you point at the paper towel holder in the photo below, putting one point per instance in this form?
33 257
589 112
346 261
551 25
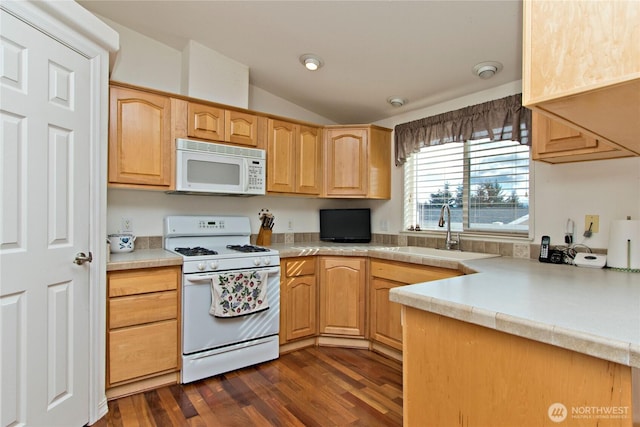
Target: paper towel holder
623 252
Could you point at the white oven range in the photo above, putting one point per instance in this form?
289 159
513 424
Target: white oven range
214 246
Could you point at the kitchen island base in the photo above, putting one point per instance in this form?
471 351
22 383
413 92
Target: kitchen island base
458 373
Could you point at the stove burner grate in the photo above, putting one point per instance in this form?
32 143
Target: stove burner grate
247 248
197 251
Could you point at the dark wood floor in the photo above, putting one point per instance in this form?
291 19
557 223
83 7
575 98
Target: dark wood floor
318 386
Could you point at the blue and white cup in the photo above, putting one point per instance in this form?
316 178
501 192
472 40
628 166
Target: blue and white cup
121 242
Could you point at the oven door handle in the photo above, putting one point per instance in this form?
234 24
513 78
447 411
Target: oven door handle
200 278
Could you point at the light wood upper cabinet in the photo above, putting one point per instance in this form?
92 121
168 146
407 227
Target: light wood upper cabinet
553 142
141 147
308 160
143 327
241 128
293 158
342 296
298 299
280 156
587 80
357 162
384 316
205 122
218 124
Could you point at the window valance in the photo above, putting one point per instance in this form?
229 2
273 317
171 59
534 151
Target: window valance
500 119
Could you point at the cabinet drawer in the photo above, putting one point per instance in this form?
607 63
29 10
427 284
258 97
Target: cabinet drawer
407 273
132 282
142 350
300 267
139 309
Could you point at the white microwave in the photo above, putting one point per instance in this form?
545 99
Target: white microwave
204 167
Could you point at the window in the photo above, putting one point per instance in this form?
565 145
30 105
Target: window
485 183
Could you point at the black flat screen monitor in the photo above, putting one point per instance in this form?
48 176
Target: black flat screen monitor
345 225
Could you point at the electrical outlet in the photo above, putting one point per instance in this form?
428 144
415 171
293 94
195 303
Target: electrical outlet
290 224
126 225
593 222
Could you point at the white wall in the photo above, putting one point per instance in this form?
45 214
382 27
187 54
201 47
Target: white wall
266 102
209 75
143 61
147 209
608 188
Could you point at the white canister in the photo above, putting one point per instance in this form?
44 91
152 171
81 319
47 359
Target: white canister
121 242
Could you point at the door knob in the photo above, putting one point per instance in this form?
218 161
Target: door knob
81 258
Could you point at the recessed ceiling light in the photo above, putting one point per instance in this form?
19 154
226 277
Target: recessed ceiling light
396 101
486 70
311 62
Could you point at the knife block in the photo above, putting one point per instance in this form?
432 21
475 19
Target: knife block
264 237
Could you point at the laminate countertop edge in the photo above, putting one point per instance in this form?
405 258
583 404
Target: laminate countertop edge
591 311
142 258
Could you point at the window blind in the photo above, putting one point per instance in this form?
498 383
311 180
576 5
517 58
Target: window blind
485 183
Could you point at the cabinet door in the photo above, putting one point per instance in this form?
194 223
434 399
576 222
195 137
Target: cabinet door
140 145
342 296
346 162
241 128
384 320
206 122
142 350
554 142
557 63
384 316
300 307
308 160
281 157
298 299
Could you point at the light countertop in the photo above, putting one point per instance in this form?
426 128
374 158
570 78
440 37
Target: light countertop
411 254
591 311
142 258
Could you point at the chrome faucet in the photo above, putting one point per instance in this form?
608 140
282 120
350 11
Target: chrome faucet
449 242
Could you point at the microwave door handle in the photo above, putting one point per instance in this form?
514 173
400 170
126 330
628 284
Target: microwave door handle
245 163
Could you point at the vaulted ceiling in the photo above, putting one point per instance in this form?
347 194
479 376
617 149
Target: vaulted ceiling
422 51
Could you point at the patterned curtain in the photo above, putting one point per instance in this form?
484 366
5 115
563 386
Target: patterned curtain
500 119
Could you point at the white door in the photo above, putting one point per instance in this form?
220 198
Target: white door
44 185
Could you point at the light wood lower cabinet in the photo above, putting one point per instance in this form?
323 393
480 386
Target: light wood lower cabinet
142 350
298 299
143 329
384 316
458 373
342 295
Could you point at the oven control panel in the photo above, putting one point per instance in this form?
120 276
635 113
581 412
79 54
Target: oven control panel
211 224
206 225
